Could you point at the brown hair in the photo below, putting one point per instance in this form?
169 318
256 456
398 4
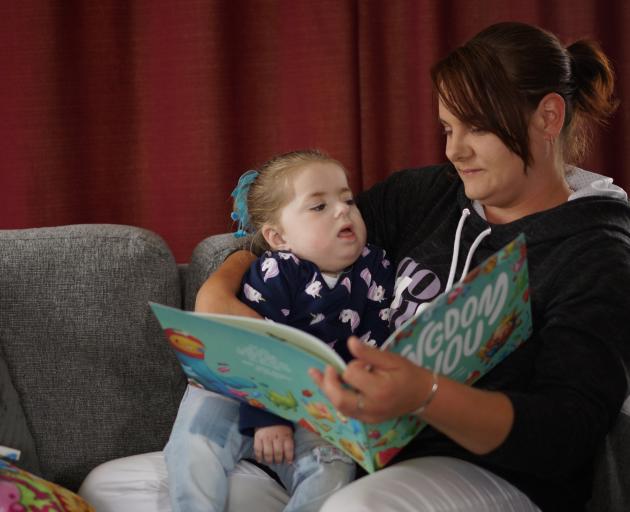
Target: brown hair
497 79
272 190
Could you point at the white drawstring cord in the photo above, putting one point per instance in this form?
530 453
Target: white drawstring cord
458 234
472 250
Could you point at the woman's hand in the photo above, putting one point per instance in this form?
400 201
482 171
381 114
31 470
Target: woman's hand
274 444
386 385
218 293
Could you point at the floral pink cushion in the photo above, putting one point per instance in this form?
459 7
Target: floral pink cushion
21 491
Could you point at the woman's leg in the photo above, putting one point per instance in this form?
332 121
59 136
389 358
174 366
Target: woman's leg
140 484
204 446
430 484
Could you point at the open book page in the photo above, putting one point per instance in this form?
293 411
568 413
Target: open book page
286 333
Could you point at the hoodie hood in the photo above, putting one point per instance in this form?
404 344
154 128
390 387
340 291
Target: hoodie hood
588 184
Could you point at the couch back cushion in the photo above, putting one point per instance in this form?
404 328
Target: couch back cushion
95 376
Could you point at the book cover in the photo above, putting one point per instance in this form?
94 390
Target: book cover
462 334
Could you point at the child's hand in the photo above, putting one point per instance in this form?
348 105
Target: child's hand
274 444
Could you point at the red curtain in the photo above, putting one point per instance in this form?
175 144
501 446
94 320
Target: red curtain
146 112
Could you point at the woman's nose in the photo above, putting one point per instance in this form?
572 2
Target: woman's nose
456 148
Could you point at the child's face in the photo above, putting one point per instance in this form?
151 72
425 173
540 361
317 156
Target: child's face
321 223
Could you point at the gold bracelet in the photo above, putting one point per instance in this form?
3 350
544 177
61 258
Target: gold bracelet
429 399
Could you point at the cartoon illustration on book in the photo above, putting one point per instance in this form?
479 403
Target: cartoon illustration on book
462 334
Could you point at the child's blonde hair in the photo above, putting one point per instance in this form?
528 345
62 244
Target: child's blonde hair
272 190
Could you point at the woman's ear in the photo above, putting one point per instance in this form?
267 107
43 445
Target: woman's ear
550 115
273 237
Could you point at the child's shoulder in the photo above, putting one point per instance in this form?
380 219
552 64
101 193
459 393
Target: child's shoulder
284 262
282 257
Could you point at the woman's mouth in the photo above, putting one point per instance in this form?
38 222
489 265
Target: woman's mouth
469 172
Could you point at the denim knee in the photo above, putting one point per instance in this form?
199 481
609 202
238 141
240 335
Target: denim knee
325 464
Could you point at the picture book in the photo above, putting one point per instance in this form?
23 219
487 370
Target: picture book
462 334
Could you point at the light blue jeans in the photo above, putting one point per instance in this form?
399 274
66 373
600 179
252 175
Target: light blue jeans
205 445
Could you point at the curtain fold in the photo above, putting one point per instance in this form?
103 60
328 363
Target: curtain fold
146 112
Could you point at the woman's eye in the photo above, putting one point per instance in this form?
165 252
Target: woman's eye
447 132
475 129
319 207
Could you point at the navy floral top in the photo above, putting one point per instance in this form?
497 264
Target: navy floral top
283 288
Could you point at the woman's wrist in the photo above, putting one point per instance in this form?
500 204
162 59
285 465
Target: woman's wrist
435 384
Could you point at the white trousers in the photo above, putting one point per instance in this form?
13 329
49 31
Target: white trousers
430 484
140 484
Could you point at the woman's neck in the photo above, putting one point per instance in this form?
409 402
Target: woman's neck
544 194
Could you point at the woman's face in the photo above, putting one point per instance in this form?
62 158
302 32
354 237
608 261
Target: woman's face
491 173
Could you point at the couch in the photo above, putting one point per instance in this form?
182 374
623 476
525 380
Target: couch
87 375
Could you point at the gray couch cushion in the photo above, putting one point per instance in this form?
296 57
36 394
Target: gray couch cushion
95 374
14 431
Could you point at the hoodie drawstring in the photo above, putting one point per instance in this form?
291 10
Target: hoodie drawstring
471 251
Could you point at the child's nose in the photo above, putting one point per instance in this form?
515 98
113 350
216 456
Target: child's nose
343 208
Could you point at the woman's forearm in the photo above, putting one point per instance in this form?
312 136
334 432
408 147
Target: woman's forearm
456 412
218 292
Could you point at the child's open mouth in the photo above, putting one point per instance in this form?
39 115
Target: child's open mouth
346 233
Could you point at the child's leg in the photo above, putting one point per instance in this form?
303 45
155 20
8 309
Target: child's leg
204 446
319 470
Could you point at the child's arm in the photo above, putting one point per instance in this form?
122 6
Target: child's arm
218 293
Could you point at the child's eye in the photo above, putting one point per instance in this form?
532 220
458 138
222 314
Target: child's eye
318 208
350 201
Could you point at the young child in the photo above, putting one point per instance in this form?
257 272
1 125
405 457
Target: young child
316 274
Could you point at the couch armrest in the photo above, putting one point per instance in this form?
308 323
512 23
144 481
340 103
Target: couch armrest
611 483
205 259
96 378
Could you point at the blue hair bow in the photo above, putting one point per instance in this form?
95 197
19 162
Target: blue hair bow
240 213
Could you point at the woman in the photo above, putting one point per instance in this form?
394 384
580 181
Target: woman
515 106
